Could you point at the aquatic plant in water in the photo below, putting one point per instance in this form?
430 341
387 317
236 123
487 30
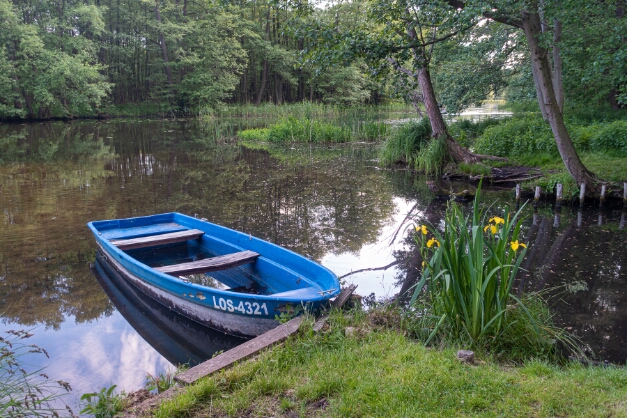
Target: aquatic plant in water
24 393
468 273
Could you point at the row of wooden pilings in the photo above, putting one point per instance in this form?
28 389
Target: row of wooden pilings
582 193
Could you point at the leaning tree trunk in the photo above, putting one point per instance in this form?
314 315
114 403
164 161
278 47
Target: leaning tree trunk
438 127
558 84
532 26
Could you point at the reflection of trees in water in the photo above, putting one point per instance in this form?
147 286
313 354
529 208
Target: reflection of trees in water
313 205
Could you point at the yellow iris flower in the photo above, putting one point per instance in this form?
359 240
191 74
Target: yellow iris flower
433 241
516 244
497 220
493 229
422 228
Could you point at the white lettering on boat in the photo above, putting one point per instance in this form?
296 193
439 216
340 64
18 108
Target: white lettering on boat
243 307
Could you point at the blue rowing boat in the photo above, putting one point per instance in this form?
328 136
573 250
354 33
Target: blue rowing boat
221 278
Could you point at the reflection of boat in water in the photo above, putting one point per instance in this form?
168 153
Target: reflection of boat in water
175 337
219 277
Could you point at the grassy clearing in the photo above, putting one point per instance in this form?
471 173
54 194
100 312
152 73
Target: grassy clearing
379 371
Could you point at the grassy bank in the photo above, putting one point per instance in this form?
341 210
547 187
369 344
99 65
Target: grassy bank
379 371
599 135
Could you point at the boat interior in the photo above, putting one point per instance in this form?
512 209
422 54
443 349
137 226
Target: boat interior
194 256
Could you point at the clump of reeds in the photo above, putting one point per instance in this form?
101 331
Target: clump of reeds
27 393
405 143
292 129
465 292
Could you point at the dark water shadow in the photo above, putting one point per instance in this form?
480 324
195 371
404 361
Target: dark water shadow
175 337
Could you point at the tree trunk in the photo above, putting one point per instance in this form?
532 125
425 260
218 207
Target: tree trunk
536 82
264 76
532 26
558 85
612 98
164 50
264 72
438 127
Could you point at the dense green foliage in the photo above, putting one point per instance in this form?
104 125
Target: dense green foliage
87 58
529 135
377 371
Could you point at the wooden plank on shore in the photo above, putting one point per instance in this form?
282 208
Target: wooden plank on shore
241 352
221 262
161 239
341 299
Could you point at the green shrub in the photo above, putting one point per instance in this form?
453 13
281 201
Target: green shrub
515 136
405 143
610 137
530 135
466 131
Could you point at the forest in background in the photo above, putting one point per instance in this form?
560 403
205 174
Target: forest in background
68 58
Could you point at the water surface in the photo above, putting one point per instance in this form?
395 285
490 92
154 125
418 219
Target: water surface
330 203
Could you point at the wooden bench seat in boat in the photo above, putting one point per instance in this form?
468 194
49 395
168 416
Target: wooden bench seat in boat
161 239
207 265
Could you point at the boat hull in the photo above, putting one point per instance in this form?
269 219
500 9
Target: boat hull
301 283
238 325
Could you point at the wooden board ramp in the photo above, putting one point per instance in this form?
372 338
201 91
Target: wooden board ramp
232 356
241 352
161 239
207 265
341 299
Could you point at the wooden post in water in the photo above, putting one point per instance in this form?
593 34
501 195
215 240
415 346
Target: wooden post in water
582 193
536 197
518 196
535 215
558 200
558 216
602 199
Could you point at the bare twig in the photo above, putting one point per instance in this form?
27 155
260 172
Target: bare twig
372 269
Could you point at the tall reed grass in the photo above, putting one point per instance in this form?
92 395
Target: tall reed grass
469 270
307 110
405 143
27 393
309 130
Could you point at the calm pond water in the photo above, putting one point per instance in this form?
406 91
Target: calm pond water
332 204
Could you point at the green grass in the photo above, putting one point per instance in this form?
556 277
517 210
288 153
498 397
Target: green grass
610 168
383 373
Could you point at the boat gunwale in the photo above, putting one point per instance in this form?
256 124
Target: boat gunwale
111 250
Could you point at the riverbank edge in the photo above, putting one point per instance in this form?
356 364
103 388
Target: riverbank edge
365 364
